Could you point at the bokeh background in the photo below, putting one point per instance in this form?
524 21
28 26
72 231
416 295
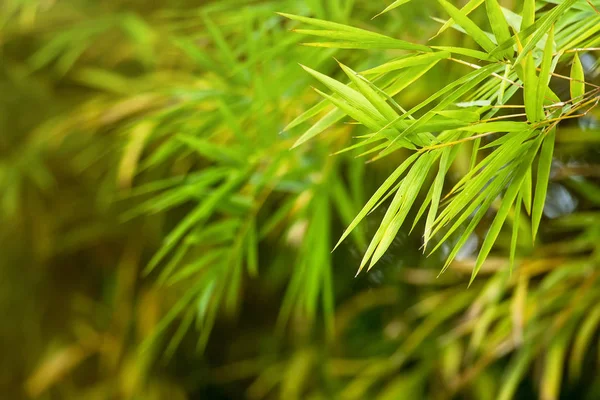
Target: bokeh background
159 239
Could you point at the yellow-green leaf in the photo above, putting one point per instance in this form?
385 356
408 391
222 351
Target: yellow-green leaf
541 185
498 23
577 79
469 26
545 70
395 4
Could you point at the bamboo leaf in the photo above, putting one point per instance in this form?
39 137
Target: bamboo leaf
526 191
530 90
545 70
498 126
577 79
515 232
409 190
376 196
527 14
437 192
329 119
392 6
480 55
408 61
469 26
541 185
467 9
352 37
542 26
498 23
507 202
371 95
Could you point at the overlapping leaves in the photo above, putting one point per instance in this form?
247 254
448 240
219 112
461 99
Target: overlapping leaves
470 111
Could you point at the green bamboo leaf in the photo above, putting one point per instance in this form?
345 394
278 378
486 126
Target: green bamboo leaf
365 36
355 113
344 205
526 191
322 23
408 61
541 185
408 77
354 104
409 190
519 37
352 36
461 115
480 55
196 218
392 6
467 9
472 183
545 70
527 14
479 206
306 115
370 94
498 126
449 94
351 96
541 27
328 120
356 45
422 209
469 26
515 232
577 79
503 139
530 86
507 201
436 194
376 196
498 23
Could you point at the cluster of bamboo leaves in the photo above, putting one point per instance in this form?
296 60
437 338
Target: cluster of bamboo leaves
520 55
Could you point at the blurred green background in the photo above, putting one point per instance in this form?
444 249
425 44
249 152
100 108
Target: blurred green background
159 239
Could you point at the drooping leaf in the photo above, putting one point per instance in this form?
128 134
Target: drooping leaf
577 79
530 83
507 201
377 195
545 70
541 184
515 232
401 205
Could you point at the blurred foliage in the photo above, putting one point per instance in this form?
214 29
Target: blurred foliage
162 237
